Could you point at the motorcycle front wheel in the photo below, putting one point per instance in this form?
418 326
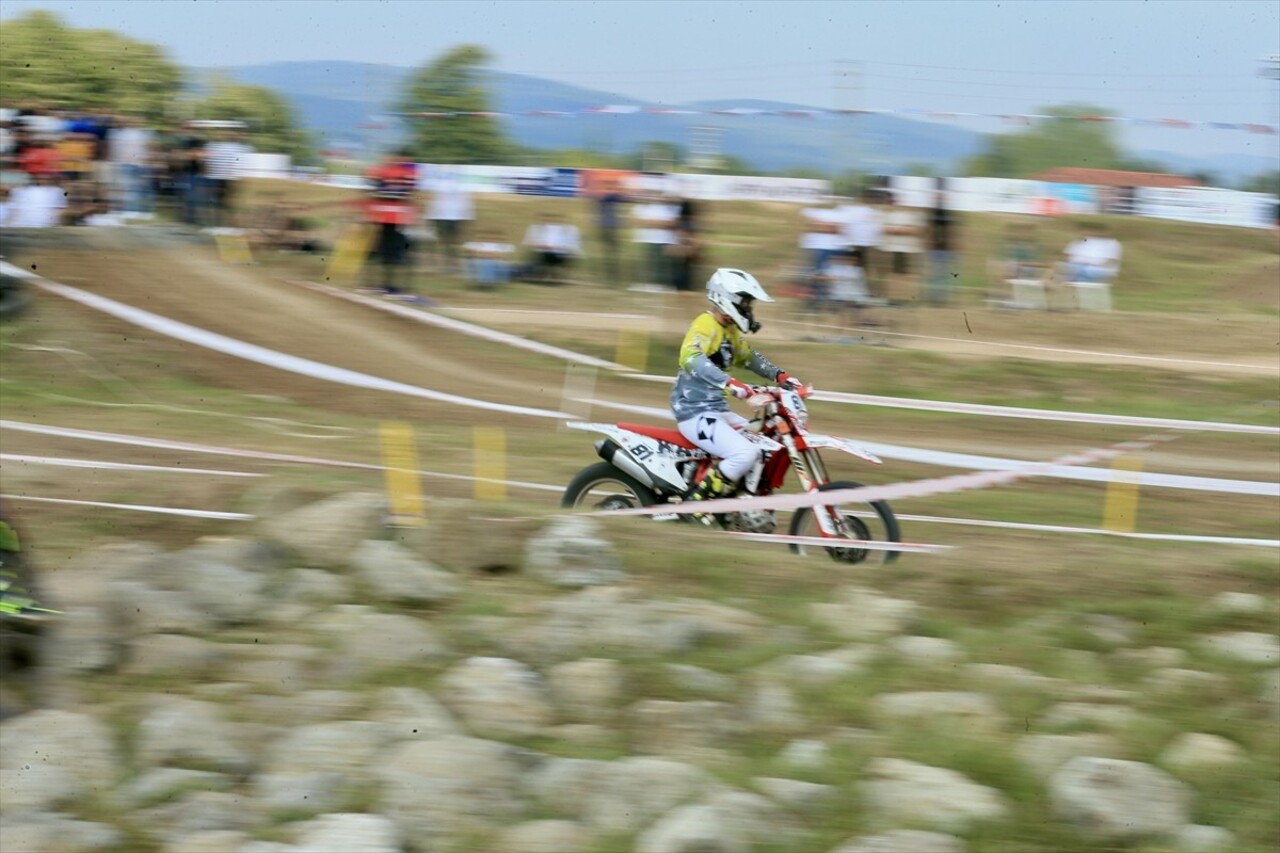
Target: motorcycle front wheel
870 521
603 487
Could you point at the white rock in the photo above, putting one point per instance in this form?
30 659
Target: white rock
1239 602
367 833
201 811
35 788
51 833
164 783
153 653
861 613
805 754
1108 629
326 533
697 679
543 836
771 706
1004 675
564 785
572 552
689 829
1199 838
209 841
229 594
394 573
1152 656
793 792
1176 680
1194 751
345 747
903 841
755 821
86 639
440 792
79 744
279 667
1072 714
631 792
497 697
901 791
925 650
369 641
309 706
295 794
411 714
587 689
973 711
1108 798
317 586
1245 646
674 728
142 609
1044 754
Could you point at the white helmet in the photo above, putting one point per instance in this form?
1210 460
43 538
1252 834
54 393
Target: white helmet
733 291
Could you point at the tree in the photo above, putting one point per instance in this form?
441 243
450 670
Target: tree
271 124
452 84
1263 182
44 62
1072 136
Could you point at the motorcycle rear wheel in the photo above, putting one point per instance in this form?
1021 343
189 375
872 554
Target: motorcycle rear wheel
602 486
873 521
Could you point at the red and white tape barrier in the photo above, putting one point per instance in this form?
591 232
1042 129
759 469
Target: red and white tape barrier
949 459
895 491
1016 412
262 355
64 432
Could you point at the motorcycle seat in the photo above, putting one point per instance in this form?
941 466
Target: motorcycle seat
661 433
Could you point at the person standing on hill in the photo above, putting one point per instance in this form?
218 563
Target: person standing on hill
390 208
943 242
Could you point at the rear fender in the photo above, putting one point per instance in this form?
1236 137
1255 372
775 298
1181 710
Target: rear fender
658 459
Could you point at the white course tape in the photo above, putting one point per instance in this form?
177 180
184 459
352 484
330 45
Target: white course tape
861 544
948 459
1016 412
1158 359
1054 528
165 444
198 448
163 510
271 358
62 462
895 491
471 329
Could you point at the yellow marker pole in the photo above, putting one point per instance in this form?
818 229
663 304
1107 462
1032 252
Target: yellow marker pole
404 486
1120 513
490 463
350 253
234 249
633 348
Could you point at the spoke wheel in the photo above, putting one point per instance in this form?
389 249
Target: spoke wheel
871 521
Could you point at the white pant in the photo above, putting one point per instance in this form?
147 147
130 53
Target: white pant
718 434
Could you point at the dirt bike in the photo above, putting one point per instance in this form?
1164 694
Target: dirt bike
648 465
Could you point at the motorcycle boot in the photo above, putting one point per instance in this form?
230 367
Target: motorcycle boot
713 485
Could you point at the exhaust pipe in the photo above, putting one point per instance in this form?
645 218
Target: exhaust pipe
610 452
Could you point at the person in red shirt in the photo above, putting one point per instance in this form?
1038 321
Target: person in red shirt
391 208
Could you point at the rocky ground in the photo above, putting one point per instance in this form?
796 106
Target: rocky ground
229 696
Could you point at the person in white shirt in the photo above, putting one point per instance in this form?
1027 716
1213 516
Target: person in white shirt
553 242
1093 258
903 242
449 211
821 236
488 259
655 231
224 161
36 205
863 231
129 152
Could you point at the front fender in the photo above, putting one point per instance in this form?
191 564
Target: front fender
834 442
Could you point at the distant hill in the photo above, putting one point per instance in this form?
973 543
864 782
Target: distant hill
335 98
340 100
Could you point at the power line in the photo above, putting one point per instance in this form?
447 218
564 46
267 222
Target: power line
1050 73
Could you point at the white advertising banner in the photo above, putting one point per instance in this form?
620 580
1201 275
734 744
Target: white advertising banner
1208 206
259 165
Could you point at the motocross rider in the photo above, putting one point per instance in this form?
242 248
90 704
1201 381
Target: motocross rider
716 343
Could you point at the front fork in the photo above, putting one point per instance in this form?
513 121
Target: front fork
813 474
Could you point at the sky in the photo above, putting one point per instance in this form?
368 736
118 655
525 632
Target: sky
1198 60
